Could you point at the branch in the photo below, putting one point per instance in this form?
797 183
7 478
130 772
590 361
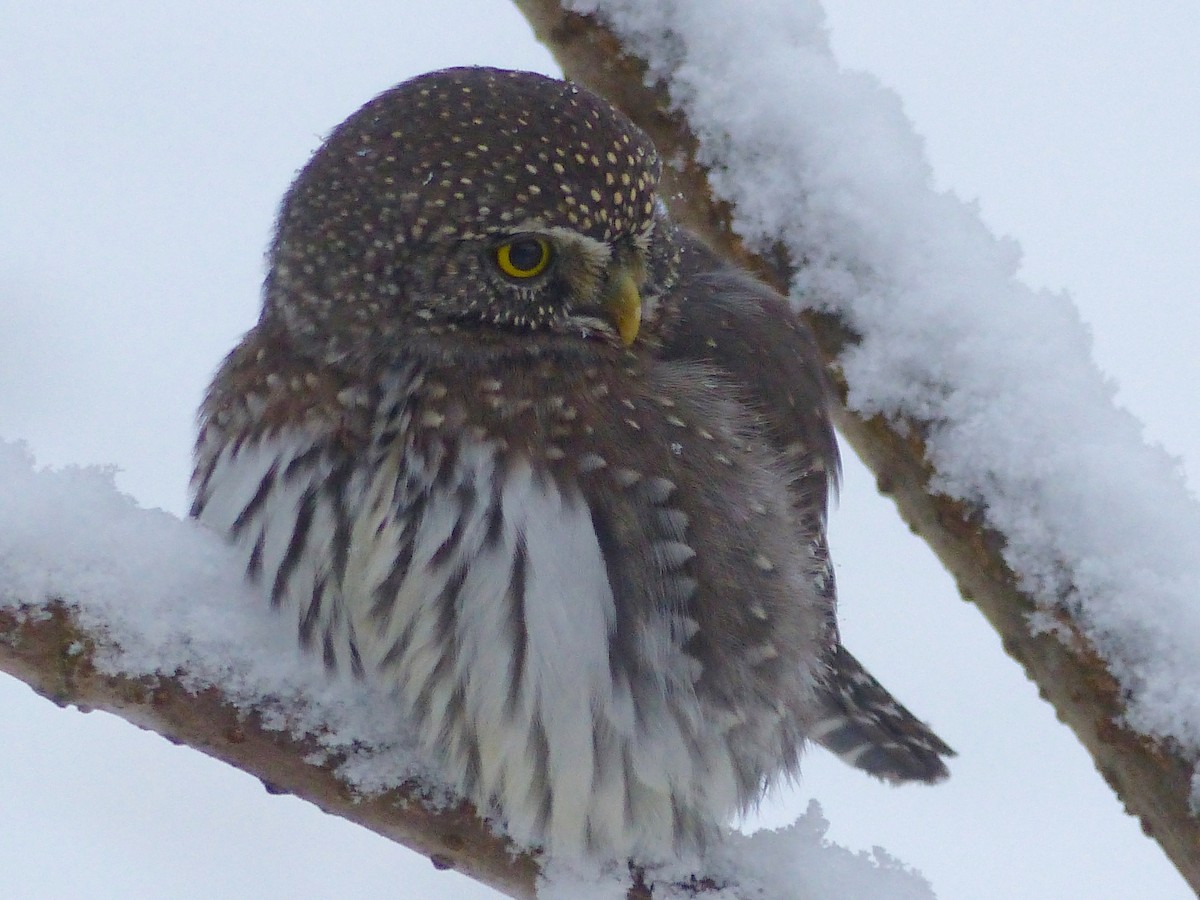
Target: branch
1152 780
47 649
45 646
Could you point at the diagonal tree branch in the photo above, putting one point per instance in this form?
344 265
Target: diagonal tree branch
45 646
1153 781
49 651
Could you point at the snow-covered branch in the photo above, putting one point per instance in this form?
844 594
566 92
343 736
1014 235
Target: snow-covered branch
973 399
45 646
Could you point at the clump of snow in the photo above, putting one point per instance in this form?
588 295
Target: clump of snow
799 862
792 863
165 597
1020 418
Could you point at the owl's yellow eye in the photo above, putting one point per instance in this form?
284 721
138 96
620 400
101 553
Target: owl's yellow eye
523 257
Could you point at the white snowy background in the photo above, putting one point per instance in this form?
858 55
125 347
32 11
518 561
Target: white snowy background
142 155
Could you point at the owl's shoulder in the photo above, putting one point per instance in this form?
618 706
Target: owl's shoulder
720 316
263 387
718 310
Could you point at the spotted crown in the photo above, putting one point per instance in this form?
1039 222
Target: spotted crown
452 156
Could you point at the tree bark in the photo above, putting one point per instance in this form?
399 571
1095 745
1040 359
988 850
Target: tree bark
45 648
1152 780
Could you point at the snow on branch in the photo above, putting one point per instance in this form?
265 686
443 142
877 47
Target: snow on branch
973 398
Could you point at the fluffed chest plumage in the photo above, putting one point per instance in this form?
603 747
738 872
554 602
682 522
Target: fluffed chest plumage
524 576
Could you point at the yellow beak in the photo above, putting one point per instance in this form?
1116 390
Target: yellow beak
624 306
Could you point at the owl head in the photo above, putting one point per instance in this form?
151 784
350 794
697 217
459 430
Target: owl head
500 205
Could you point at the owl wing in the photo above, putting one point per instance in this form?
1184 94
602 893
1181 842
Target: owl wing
720 316
728 319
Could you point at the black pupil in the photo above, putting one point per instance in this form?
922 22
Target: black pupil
525 255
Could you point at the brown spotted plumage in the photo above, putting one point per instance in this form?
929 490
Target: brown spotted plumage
509 443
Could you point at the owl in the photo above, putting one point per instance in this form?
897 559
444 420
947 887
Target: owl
512 446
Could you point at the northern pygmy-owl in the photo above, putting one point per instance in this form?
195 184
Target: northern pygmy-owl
508 442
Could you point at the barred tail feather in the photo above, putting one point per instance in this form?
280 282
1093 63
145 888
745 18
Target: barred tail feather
869 729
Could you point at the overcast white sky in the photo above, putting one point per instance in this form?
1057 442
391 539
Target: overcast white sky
144 150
